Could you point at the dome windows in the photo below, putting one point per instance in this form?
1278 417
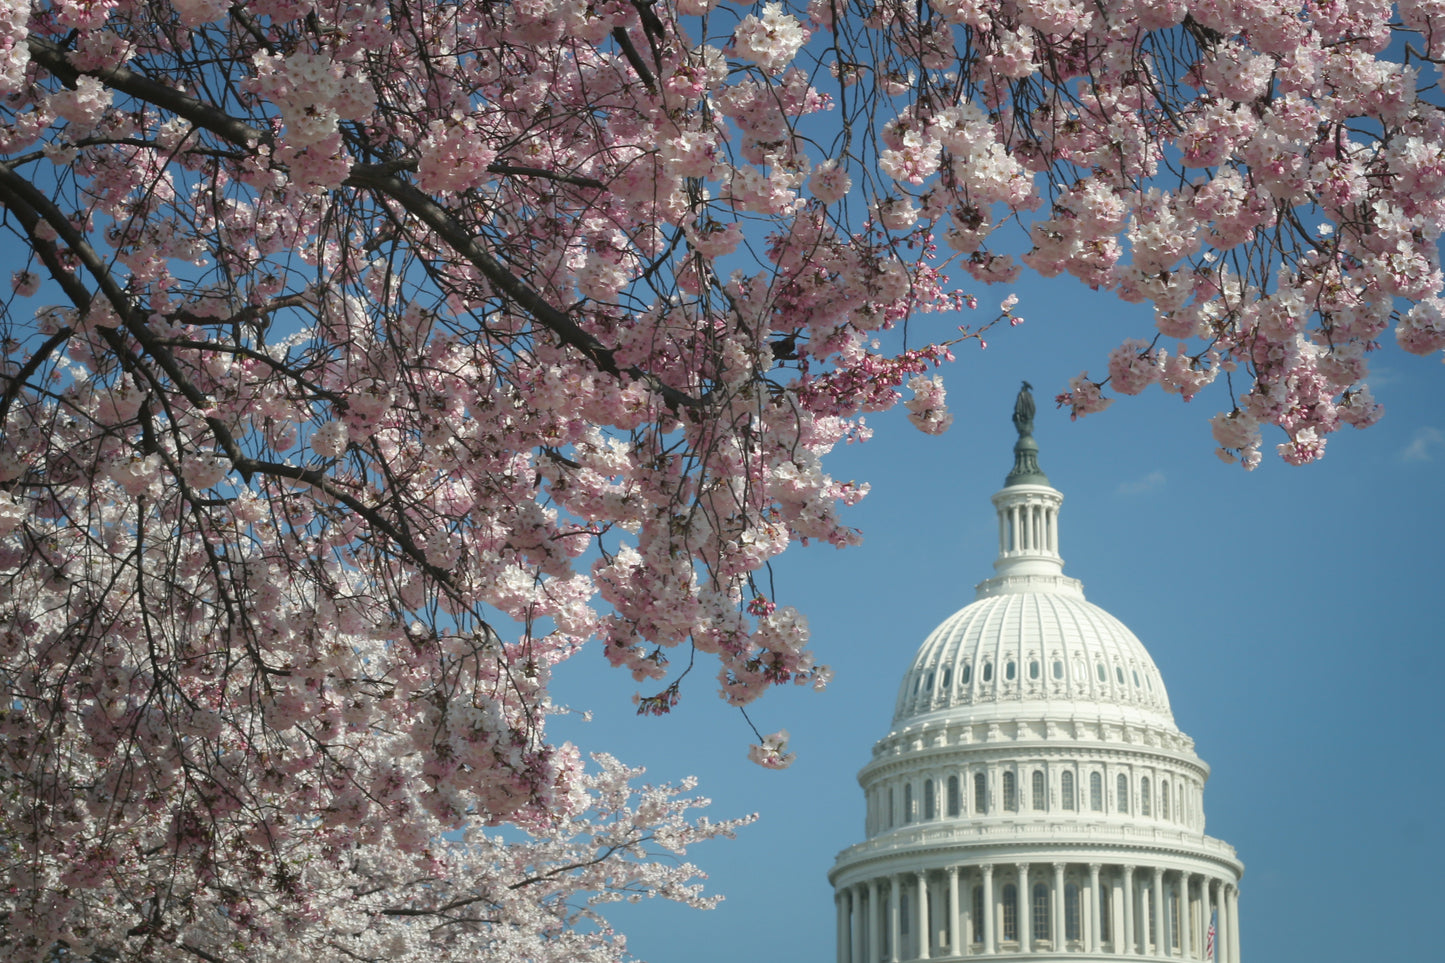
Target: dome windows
1103 674
1010 670
1144 796
1096 792
1119 673
1136 678
1033 669
947 677
1123 793
966 675
1058 669
1066 790
988 672
953 796
908 802
1039 791
980 793
1163 800
1010 793
929 811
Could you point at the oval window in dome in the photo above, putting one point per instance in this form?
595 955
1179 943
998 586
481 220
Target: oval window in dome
1148 682
967 673
947 677
1119 673
988 672
1136 678
929 684
1034 669
1103 676
1010 669
1078 670
1058 668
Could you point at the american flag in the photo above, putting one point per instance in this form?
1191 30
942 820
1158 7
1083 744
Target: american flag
1209 937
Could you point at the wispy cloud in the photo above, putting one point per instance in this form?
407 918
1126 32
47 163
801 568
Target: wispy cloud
1150 482
1422 446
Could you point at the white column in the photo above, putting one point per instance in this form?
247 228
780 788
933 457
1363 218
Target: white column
875 924
1161 914
893 920
1094 915
1186 923
1232 899
955 930
1221 927
841 898
1128 934
855 944
1060 931
1026 914
923 939
990 911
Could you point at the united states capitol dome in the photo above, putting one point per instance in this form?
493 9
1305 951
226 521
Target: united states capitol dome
1034 797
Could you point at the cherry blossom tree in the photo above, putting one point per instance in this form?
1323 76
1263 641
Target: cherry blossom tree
393 353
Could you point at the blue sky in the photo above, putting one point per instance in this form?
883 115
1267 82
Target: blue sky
1293 613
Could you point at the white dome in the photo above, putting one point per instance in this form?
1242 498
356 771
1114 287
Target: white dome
1035 648
1034 798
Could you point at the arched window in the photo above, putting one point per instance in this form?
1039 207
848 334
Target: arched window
1119 673
1072 916
967 673
928 811
1040 799
929 684
953 795
1010 913
1096 792
1144 796
892 817
1033 668
980 793
1136 678
978 914
947 677
1103 676
1058 668
1123 793
1010 793
908 802
1041 911
988 672
1010 670
1106 912
1163 800
1066 790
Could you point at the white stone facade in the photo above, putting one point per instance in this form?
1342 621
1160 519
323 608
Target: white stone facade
1034 799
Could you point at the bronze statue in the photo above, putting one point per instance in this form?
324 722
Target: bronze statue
1024 411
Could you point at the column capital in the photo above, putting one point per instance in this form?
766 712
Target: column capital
987 870
1095 868
1128 872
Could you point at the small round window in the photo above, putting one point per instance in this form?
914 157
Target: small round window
1058 668
988 672
1009 671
